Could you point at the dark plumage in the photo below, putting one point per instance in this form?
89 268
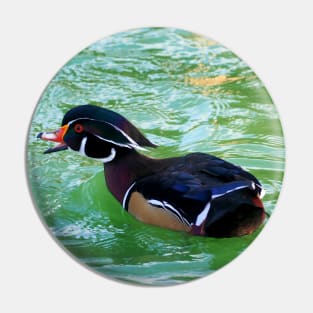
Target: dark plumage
109 118
197 193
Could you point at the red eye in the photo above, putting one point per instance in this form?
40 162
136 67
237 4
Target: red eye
78 128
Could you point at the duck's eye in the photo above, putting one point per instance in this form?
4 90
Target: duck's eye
78 128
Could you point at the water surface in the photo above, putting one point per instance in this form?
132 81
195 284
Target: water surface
186 93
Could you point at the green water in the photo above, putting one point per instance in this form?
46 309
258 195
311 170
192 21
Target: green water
186 94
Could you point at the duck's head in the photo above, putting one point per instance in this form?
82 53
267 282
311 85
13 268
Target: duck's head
96 132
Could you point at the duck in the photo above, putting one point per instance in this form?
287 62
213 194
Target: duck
197 193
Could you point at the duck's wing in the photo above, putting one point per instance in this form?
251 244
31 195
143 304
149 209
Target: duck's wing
217 168
178 193
186 189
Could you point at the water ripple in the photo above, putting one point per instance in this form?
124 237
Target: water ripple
186 93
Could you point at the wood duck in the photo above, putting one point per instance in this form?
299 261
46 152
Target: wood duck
197 193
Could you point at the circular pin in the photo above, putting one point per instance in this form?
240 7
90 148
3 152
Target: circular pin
155 156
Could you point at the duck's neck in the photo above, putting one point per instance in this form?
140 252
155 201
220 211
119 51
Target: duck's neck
124 170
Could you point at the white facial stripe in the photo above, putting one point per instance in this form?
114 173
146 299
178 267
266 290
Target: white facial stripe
129 146
104 160
115 143
121 131
133 143
77 119
109 158
82 146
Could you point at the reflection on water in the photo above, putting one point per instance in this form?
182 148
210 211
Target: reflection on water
210 81
186 93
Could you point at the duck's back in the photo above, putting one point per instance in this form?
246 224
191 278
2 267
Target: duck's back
201 194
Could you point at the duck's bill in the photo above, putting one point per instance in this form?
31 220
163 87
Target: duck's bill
58 147
56 136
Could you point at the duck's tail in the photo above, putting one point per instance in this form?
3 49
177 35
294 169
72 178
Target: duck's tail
236 214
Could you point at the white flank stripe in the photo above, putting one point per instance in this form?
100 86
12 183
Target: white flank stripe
262 193
202 216
155 202
126 195
228 191
171 208
165 205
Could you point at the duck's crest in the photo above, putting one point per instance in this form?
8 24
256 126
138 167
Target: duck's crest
112 118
